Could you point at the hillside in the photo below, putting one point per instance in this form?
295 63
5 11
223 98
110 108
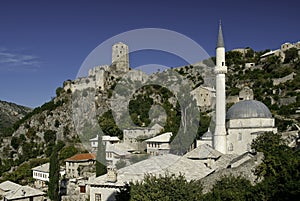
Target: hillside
274 82
9 114
70 111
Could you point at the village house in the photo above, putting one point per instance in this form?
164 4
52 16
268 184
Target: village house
74 162
204 97
159 145
41 175
105 139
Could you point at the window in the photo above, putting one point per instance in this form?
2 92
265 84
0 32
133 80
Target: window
97 197
240 137
230 147
223 63
82 189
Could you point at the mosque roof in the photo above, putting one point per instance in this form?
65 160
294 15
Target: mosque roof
248 109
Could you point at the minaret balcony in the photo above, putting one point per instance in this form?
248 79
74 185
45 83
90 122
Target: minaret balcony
220 70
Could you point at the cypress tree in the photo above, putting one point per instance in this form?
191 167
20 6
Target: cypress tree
53 187
100 159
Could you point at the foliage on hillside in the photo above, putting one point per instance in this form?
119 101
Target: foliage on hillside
9 114
261 79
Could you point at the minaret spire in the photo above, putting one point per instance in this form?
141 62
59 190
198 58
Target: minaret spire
220 42
220 139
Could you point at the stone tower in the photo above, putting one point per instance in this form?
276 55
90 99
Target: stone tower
219 138
120 57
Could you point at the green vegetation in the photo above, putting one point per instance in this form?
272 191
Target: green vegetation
167 187
53 186
100 159
260 79
23 173
230 188
140 105
49 106
50 138
108 125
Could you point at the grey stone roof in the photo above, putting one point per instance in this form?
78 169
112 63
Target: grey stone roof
204 151
159 165
220 42
161 138
248 109
42 168
120 149
8 186
23 192
207 135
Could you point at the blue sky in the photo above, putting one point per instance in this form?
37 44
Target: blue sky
43 43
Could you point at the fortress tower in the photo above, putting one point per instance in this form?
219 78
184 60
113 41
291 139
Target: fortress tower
219 138
120 57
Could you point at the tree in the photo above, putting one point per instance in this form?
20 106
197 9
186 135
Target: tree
53 187
108 125
249 53
230 188
167 187
15 142
291 55
280 169
100 159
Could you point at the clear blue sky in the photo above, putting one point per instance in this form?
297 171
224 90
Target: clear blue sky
43 43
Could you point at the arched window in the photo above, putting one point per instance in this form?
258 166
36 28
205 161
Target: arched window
230 147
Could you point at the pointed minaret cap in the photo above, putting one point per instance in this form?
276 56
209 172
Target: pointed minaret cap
220 36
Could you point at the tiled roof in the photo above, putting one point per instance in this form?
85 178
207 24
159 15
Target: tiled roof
82 157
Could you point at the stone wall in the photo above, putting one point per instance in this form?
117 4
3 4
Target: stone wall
283 79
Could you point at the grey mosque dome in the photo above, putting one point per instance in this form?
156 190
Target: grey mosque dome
248 109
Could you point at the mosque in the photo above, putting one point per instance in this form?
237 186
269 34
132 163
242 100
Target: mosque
243 122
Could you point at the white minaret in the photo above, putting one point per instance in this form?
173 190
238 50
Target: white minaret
219 139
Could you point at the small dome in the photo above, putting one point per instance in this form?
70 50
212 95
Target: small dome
248 109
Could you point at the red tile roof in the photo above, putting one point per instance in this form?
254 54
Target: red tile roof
82 157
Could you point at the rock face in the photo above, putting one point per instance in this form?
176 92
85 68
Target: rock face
10 113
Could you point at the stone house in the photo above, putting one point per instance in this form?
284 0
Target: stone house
204 97
105 139
159 145
73 163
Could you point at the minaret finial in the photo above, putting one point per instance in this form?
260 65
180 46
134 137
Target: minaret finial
220 42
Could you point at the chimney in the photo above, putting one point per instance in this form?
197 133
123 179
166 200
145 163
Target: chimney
111 175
